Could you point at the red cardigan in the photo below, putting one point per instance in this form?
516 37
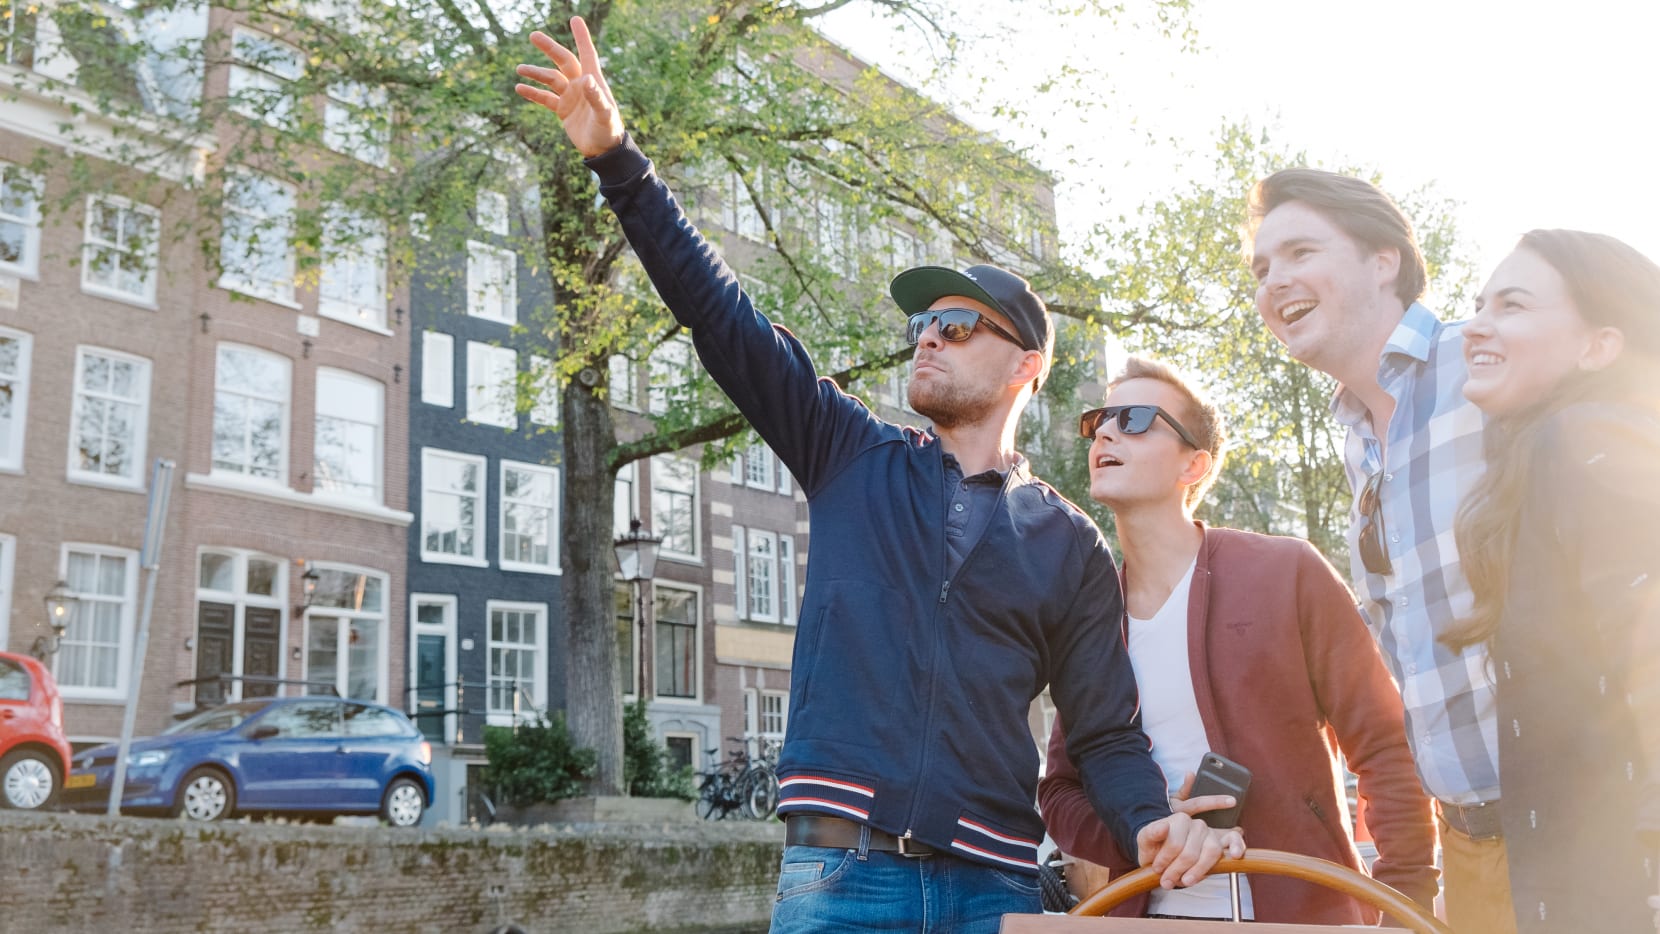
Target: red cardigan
1285 672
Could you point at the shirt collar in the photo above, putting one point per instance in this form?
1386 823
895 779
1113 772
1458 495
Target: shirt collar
1408 345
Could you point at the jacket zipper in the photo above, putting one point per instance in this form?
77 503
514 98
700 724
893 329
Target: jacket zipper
933 683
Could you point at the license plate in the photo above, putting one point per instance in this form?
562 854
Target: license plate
81 781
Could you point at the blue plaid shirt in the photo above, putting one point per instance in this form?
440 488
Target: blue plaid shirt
1431 460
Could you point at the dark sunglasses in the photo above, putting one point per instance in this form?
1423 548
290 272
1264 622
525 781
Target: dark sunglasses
956 325
1132 420
1373 554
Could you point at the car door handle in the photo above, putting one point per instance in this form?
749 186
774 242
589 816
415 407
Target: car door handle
8 714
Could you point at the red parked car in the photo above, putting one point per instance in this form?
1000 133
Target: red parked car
34 755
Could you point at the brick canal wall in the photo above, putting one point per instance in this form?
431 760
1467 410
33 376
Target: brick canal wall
80 873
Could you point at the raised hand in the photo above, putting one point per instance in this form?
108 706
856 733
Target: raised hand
575 90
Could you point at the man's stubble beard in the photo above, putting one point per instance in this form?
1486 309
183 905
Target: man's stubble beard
951 406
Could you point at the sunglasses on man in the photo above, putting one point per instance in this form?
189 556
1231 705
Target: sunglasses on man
1132 420
956 325
1373 555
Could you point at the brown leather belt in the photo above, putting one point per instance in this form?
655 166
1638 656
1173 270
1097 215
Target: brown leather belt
1476 821
840 834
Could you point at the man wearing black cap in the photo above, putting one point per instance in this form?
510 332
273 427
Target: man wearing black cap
946 586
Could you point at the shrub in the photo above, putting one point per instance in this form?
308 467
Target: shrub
648 770
535 763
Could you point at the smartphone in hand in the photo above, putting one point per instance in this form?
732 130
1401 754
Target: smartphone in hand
1218 775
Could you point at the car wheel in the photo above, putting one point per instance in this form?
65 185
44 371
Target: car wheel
403 803
28 780
206 795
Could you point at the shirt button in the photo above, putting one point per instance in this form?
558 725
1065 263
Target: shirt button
1412 669
1402 601
1394 538
958 507
1388 477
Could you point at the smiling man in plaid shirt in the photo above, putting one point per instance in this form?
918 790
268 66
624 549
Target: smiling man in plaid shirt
1339 274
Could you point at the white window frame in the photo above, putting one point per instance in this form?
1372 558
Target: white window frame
552 507
739 212
758 468
625 498
18 382
624 385
479 524
670 370
658 523
447 629
28 266
492 283
490 208
240 599
544 409
787 601
438 369
377 467
124 647
783 703
266 225
539 678
264 74
761 569
354 254
356 122
92 246
141 422
696 697
283 399
381 617
492 385
8 564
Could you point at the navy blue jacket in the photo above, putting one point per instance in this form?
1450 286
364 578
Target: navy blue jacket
909 691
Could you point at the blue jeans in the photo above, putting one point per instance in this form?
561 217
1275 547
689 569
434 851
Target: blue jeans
823 890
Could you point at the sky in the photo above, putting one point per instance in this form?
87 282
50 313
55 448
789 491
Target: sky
1526 114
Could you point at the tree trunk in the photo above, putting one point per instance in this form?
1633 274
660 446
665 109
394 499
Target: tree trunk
593 688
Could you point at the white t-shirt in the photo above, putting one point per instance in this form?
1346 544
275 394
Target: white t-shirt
1170 716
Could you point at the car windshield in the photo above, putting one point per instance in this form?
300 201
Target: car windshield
218 719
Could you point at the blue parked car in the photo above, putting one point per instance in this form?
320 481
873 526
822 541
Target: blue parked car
311 755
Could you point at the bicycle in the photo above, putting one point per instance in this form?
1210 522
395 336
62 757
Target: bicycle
759 783
741 783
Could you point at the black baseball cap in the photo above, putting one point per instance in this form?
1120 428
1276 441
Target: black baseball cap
917 288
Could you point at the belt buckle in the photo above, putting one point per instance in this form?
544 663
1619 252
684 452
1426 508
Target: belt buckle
906 851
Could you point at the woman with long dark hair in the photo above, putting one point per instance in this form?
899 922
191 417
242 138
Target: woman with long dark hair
1561 545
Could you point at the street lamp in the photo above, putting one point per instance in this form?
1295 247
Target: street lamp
59 607
637 562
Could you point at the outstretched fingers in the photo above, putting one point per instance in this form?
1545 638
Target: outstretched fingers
562 57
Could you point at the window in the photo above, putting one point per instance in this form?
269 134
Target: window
674 505
764 575
438 369
112 402
624 507
346 632
676 656
452 507
19 221
17 34
492 385
544 410
250 413
492 282
353 283
347 444
671 375
627 643
518 671
355 122
529 517
774 705
14 396
260 76
119 255
758 467
738 211
491 207
256 255
624 393
94 656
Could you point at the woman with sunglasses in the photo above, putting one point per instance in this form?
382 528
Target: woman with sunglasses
1249 646
1562 548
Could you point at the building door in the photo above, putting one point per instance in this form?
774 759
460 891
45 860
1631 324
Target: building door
215 651
261 649
430 653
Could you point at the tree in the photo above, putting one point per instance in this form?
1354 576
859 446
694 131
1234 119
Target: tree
1176 287
388 116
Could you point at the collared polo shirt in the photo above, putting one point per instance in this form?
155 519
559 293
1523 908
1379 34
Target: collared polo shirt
1430 458
969 502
